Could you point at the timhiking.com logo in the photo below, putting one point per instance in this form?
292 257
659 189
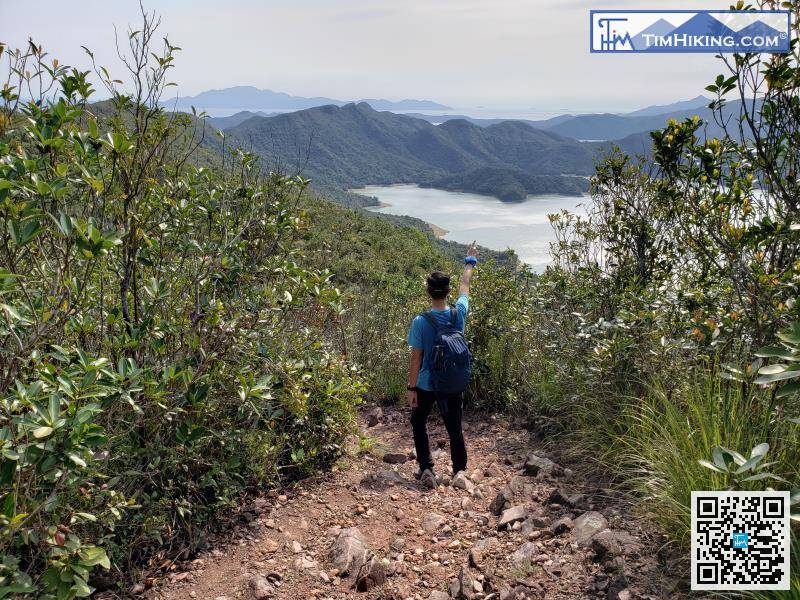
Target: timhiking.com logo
717 31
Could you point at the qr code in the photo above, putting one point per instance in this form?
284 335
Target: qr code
740 540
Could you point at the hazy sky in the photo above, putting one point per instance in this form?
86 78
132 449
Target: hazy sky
520 54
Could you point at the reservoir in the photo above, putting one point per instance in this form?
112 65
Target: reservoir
523 226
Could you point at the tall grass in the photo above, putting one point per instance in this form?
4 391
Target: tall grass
669 430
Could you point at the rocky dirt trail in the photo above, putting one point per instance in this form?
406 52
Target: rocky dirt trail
519 525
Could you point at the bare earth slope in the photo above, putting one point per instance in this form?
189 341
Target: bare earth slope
369 530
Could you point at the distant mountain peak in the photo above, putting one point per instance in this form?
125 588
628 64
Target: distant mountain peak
698 102
248 97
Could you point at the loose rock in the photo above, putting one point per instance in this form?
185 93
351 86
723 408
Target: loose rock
563 525
260 588
374 417
371 574
587 526
464 585
512 515
349 551
524 553
462 482
606 545
535 464
501 502
432 522
395 458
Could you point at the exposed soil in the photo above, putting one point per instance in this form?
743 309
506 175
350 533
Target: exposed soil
568 537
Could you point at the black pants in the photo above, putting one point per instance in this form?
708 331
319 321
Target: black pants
450 409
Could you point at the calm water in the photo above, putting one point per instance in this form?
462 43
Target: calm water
524 226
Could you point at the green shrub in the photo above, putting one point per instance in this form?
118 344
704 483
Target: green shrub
163 348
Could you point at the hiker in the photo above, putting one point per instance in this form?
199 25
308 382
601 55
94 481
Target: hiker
440 367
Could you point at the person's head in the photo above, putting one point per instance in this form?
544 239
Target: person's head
438 285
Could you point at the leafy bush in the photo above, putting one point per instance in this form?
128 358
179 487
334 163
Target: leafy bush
162 348
651 338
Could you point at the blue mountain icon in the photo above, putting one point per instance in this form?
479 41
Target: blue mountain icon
703 24
662 27
758 28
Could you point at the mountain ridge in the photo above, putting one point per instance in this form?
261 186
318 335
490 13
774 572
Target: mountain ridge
587 126
354 145
251 97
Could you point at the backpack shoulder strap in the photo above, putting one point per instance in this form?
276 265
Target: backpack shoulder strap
453 315
428 316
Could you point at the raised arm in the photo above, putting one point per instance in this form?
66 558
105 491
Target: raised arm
463 286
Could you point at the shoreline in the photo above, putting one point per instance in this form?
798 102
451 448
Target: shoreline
525 224
438 232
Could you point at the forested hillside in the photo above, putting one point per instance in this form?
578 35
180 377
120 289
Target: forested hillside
355 145
591 126
510 185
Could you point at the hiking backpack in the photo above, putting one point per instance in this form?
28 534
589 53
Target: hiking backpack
450 361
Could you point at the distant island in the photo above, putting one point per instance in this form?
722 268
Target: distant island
510 185
249 97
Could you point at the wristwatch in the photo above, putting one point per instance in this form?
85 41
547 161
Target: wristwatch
411 388
470 260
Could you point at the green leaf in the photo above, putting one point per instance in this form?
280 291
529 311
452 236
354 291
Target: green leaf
759 450
723 457
772 369
54 408
709 465
82 590
76 459
751 463
94 555
760 476
776 352
42 432
86 516
788 389
766 379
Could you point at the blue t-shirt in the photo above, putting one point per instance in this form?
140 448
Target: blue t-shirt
422 335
